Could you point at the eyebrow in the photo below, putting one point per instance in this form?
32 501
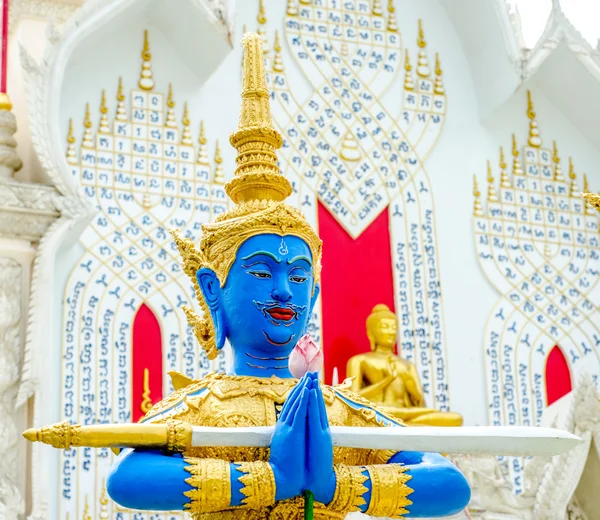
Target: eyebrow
262 253
301 257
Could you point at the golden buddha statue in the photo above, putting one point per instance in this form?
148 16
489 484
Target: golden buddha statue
386 379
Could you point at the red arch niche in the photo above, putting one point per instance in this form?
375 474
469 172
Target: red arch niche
146 355
558 376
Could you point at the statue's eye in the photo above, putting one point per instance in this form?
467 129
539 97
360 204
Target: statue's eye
260 274
297 278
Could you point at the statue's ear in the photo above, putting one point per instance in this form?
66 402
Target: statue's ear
211 290
315 296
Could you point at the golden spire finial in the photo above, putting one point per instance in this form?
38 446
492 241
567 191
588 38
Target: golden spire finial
492 196
202 154
71 154
219 177
421 42
170 122
586 187
87 141
477 209
408 78
186 135
277 62
422 64
257 175
121 112
392 25
504 180
146 82
534 132
517 170
261 18
439 83
292 8
377 10
558 175
573 192
103 127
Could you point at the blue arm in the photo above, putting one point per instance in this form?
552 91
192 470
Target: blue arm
152 480
440 489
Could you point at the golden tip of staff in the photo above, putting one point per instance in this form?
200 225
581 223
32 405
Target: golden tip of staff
31 434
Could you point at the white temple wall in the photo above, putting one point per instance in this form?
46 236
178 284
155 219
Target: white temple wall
462 150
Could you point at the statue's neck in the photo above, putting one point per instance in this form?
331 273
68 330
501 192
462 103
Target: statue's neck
248 362
388 351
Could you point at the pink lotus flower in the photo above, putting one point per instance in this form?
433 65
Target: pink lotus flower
306 357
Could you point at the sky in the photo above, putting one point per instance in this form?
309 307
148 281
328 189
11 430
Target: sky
583 14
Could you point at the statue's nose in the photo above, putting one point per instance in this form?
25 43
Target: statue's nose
282 293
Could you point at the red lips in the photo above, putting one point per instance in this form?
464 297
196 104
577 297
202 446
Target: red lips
279 313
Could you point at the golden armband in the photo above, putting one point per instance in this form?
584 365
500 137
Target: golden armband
259 484
349 488
211 481
389 491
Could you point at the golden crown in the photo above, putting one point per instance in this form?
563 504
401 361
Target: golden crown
258 189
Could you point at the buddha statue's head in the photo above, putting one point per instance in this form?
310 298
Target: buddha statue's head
257 269
382 328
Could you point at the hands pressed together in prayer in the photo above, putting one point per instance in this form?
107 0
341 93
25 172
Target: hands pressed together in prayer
302 448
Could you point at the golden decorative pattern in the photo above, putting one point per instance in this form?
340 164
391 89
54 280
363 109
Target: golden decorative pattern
349 488
211 479
593 199
389 491
259 484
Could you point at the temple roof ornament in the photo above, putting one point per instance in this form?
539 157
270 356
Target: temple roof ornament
517 169
504 180
408 77
202 154
377 9
121 114
87 141
593 199
439 82
219 175
262 29
292 8
558 174
392 25
492 195
573 190
146 82
534 132
71 153
423 64
103 127
186 135
477 209
170 122
277 61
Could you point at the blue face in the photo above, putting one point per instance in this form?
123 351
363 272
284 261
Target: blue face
265 305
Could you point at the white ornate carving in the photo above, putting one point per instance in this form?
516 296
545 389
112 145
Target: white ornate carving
550 483
11 501
54 10
9 159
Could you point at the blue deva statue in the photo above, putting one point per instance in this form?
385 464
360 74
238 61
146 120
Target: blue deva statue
256 276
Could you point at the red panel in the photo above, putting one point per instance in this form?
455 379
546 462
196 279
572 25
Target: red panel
147 353
357 275
558 376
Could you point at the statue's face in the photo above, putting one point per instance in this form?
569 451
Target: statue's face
267 299
384 332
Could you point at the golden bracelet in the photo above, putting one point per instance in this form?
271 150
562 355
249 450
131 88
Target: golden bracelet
349 488
259 484
389 490
211 481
